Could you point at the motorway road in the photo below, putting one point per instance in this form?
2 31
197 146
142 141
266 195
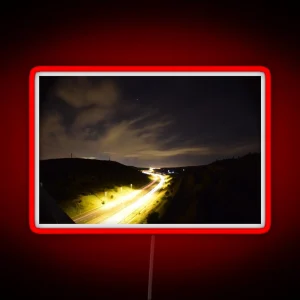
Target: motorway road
111 213
138 205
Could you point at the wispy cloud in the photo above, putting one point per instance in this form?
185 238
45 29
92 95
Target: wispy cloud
95 102
91 116
144 135
177 151
81 92
124 139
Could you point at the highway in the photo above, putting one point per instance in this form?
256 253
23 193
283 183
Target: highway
140 202
116 211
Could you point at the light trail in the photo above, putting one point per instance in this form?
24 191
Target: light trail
122 200
121 215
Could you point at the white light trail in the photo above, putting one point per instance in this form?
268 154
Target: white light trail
121 215
120 200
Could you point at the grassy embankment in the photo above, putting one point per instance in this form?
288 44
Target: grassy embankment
226 191
81 185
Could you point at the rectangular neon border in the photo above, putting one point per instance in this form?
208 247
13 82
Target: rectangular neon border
175 228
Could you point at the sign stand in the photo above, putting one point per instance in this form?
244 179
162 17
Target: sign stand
150 279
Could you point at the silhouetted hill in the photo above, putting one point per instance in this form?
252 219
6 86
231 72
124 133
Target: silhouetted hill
225 191
65 179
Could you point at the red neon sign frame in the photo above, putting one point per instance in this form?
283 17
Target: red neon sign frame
148 230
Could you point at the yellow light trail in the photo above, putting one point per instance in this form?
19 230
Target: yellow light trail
121 215
120 200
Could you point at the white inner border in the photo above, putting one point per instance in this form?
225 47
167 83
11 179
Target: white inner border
146 226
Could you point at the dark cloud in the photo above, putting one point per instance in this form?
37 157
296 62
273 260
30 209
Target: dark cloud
145 121
82 92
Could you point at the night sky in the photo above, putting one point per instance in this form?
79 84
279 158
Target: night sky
150 121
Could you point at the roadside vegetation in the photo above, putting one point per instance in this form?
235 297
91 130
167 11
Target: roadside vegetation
153 212
80 185
225 191
85 203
